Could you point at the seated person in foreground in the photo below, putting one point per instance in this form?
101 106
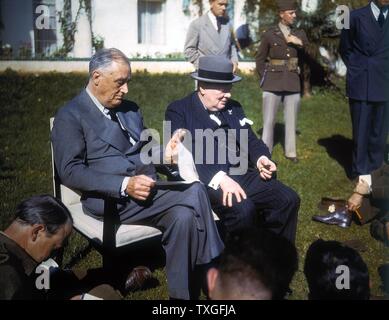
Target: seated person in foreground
41 226
335 272
255 265
238 190
97 150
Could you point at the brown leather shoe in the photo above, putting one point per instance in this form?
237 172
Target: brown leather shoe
137 279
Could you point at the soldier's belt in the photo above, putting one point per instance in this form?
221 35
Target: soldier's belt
291 63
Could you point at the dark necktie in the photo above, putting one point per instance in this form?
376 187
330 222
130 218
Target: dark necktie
219 23
114 118
381 17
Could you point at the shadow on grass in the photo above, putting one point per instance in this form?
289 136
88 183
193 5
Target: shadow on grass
339 148
148 253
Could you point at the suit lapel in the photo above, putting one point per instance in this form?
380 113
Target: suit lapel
210 29
103 127
371 24
232 118
131 122
224 33
386 28
278 33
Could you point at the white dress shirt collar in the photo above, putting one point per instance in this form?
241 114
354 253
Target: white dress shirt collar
97 103
376 10
212 17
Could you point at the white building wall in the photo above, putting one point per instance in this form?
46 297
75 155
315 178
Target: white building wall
17 19
116 22
239 14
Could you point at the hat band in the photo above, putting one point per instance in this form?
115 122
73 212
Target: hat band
214 75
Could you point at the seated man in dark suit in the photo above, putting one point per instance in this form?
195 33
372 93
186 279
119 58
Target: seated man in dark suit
97 149
237 192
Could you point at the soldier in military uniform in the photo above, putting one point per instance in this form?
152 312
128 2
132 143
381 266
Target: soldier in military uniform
41 225
278 63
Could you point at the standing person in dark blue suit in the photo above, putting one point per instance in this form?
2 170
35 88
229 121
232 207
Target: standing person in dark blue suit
365 51
237 192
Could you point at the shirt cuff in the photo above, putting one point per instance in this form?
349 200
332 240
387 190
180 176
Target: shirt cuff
123 192
260 158
217 178
367 179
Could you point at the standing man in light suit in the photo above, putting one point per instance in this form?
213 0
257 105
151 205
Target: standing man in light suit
365 51
211 34
97 150
278 64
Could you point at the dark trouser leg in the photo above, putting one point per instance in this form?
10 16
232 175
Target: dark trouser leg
369 130
378 135
180 242
240 215
190 236
277 203
360 116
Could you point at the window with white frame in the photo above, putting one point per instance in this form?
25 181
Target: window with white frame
45 34
151 21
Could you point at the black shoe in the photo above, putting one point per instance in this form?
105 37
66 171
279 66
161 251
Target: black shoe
293 159
339 218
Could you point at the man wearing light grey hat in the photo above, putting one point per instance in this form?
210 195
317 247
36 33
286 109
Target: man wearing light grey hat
239 199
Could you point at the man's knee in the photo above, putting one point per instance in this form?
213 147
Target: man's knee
289 198
241 214
197 188
245 208
294 199
183 216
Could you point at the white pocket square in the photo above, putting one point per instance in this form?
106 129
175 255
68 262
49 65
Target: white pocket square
244 121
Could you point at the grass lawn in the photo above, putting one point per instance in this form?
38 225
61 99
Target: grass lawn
28 101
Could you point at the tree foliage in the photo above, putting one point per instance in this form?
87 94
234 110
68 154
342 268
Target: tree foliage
320 27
